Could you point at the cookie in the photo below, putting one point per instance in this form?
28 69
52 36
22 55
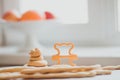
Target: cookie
118 67
12 69
61 65
40 63
36 58
60 75
102 72
54 69
109 68
35 52
9 75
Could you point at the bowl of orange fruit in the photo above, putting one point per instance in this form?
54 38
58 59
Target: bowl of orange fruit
30 22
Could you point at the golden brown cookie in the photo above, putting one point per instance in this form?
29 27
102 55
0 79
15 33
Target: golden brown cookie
60 75
36 59
57 69
61 65
40 63
35 53
118 67
12 69
9 75
109 67
102 72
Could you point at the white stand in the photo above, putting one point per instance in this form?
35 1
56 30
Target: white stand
31 30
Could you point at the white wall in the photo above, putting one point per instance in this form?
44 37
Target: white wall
10 6
100 31
1 6
0 24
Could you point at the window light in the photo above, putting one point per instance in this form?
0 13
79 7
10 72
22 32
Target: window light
67 11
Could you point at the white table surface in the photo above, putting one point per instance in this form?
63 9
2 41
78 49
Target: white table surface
87 55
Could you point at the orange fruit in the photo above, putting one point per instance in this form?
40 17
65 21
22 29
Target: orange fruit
11 16
30 15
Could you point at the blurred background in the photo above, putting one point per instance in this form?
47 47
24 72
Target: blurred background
92 25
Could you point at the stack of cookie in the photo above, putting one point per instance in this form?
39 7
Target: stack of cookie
36 59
